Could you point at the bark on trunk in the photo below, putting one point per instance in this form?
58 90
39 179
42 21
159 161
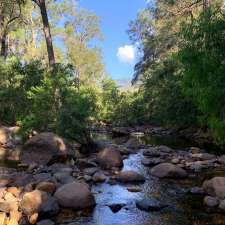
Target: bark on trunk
206 4
4 45
47 33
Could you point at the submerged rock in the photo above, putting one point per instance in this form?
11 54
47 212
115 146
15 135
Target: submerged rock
116 207
150 205
168 170
130 177
75 196
109 158
134 189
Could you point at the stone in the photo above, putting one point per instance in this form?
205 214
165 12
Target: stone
211 202
151 152
10 197
164 148
168 170
116 207
75 196
46 222
151 161
33 218
90 171
15 191
2 192
12 222
215 187
109 157
150 205
203 156
46 187
7 206
42 148
134 189
130 177
15 215
2 218
39 202
63 177
221 159
195 150
222 205
175 161
4 135
197 191
99 177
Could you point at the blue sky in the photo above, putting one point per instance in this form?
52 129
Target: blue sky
115 16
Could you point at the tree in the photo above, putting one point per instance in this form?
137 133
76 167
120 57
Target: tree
10 12
47 32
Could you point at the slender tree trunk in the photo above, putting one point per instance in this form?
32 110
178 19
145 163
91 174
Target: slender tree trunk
47 33
4 45
206 4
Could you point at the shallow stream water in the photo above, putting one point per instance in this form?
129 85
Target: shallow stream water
184 208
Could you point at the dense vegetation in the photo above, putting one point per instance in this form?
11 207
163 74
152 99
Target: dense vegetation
179 80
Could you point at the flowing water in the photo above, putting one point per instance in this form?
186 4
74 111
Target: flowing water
184 208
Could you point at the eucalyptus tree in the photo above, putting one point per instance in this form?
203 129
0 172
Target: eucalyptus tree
47 31
10 13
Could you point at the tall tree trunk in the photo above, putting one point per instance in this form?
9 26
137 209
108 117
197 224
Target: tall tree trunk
47 32
206 4
4 45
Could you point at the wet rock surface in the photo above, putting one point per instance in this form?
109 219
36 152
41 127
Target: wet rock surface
106 188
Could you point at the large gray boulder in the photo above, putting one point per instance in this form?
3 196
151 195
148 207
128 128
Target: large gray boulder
75 196
215 187
109 158
168 170
43 147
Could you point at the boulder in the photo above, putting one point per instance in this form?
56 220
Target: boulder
130 177
45 186
75 196
150 205
203 156
168 170
109 158
116 207
42 148
211 202
215 187
134 189
152 152
222 206
99 177
39 202
63 177
4 135
151 161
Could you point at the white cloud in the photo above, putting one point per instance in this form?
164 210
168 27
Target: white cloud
127 54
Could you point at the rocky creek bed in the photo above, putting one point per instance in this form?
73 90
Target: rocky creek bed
135 181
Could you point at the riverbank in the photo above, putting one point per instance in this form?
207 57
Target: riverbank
128 180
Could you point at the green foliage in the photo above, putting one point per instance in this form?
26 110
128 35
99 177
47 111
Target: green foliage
16 79
203 57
